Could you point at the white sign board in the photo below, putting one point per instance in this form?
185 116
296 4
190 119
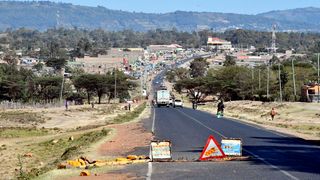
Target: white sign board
144 93
232 147
161 150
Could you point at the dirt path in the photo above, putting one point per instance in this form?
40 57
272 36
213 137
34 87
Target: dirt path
127 137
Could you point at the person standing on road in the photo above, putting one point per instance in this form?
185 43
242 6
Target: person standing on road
220 108
194 105
273 113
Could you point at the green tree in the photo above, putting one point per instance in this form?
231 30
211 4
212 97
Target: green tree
198 67
231 82
195 88
86 82
11 58
230 61
38 66
56 63
48 87
274 60
177 74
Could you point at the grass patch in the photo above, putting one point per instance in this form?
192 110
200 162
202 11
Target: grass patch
107 110
22 132
52 154
306 127
22 117
129 116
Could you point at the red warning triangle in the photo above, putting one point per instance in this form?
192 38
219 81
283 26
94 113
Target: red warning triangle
212 150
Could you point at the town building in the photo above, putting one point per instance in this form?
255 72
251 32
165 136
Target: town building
164 48
310 92
29 61
218 44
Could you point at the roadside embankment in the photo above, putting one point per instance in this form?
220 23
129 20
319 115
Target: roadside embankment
295 118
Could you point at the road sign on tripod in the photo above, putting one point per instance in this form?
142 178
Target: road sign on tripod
211 150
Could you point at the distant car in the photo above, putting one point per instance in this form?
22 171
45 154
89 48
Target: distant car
178 103
171 102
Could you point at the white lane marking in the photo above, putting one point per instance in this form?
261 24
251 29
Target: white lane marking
149 173
192 118
153 120
271 165
254 155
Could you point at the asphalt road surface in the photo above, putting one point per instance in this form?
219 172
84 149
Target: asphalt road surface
272 155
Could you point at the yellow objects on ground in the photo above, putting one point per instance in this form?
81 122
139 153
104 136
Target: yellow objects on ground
83 162
76 163
132 157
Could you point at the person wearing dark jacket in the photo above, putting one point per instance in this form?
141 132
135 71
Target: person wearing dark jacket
220 108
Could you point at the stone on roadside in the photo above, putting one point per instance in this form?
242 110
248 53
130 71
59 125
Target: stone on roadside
28 154
85 173
132 157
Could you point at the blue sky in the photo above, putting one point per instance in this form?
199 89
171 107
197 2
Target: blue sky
231 6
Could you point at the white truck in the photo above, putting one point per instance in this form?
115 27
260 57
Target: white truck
163 98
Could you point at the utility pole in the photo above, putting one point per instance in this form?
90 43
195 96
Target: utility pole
294 80
318 78
280 84
274 51
252 74
268 80
61 90
259 79
141 79
115 84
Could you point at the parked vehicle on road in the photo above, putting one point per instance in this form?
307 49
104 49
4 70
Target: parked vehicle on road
171 102
163 98
178 103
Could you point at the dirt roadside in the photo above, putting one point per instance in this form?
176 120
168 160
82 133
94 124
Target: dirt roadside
298 119
62 125
126 138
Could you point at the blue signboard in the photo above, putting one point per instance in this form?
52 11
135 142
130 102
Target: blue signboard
231 147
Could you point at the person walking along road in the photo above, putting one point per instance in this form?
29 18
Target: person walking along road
220 109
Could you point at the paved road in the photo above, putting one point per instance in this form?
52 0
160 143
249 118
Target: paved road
273 155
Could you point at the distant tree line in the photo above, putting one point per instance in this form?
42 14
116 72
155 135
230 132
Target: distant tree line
232 82
97 41
22 85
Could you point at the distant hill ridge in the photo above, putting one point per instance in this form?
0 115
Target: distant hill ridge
44 14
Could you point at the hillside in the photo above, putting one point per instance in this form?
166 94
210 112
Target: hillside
301 15
44 15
